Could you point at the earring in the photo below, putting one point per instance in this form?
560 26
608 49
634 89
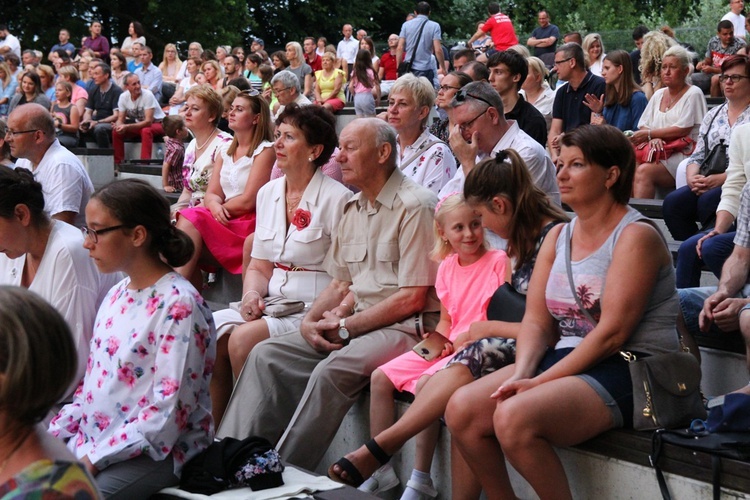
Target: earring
310 159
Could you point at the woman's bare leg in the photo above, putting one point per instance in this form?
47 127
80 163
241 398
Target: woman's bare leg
562 412
469 416
243 339
221 380
464 484
649 176
190 270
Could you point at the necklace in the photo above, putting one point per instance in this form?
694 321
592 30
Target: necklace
673 100
207 140
15 449
292 202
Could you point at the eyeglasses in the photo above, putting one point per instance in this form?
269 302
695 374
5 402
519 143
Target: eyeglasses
562 61
93 234
734 78
446 88
251 92
465 126
462 95
279 91
14 133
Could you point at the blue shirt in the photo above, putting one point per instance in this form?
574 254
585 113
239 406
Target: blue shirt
68 47
626 117
409 32
540 33
151 79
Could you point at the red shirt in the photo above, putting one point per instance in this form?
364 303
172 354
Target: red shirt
500 28
389 65
316 64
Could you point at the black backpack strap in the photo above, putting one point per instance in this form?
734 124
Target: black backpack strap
716 475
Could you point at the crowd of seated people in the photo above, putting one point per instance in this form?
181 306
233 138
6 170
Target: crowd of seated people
337 288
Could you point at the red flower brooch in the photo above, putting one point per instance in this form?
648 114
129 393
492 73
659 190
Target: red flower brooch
301 219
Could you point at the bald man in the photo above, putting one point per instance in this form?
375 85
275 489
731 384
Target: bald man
65 182
300 386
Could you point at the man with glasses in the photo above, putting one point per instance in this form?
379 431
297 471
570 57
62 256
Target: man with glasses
195 49
568 110
481 130
286 87
544 38
65 182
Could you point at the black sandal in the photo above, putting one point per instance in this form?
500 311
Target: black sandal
355 478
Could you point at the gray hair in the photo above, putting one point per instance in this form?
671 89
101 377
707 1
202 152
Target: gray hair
287 79
477 94
384 133
419 87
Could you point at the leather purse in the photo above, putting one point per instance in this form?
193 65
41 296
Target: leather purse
644 153
666 390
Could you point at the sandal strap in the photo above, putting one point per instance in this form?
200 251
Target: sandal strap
377 452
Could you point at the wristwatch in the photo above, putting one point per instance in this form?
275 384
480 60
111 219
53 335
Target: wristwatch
343 331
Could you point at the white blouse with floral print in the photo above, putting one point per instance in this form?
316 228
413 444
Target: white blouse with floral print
146 385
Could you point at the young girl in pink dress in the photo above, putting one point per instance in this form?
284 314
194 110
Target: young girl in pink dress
467 277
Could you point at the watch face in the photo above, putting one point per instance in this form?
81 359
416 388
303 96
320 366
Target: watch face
343 333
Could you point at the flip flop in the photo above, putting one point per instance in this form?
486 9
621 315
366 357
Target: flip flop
355 477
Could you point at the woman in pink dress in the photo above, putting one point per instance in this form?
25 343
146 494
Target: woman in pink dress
220 224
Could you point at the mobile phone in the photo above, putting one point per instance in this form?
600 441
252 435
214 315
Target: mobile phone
431 347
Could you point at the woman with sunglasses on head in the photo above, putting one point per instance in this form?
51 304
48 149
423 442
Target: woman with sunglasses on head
698 199
143 408
226 216
47 257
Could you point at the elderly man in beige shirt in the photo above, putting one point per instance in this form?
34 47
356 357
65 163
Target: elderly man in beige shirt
296 389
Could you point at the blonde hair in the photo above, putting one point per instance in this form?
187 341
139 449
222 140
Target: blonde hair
164 63
70 72
521 50
216 67
655 44
297 50
210 97
538 67
420 89
588 41
442 248
8 73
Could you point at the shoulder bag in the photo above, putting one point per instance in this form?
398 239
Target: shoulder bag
716 161
404 67
666 387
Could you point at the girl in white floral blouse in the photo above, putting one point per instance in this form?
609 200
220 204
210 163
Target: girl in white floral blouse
143 408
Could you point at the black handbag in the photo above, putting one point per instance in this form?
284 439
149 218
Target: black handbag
404 67
716 161
666 387
506 304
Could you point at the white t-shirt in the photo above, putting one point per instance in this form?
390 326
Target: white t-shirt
68 279
65 182
738 20
135 111
13 43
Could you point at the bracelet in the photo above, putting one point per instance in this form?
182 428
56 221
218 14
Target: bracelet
649 134
249 291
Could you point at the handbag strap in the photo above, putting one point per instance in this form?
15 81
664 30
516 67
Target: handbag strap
422 148
569 268
656 447
710 124
416 43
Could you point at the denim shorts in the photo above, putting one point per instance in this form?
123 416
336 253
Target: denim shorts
691 305
611 380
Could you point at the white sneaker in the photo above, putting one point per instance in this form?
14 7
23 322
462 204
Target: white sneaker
381 480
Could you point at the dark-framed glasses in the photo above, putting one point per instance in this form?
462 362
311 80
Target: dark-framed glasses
734 78
93 234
